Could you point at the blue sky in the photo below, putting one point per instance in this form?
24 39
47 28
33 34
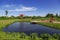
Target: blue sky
29 7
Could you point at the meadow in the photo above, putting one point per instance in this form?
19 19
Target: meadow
51 25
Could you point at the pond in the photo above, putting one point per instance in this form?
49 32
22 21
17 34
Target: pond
28 28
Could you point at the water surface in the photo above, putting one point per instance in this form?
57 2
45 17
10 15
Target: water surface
28 28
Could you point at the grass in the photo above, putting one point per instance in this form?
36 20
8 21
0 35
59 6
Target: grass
4 23
51 25
23 36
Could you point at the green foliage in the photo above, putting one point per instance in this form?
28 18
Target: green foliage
56 15
49 15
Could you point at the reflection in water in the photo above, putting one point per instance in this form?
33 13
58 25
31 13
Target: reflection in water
21 26
28 28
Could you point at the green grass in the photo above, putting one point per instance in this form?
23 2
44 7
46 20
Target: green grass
23 36
4 23
51 25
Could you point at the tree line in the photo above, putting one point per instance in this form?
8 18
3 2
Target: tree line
33 17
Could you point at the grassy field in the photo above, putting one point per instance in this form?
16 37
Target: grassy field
51 25
23 36
4 23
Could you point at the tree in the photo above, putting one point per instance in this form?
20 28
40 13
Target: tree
49 15
51 19
12 17
6 13
59 16
56 15
18 17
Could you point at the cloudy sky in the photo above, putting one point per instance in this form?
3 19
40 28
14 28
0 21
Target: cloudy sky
29 7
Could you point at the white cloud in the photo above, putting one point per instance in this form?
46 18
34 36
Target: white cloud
23 8
17 8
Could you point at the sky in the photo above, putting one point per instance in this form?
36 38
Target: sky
29 7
